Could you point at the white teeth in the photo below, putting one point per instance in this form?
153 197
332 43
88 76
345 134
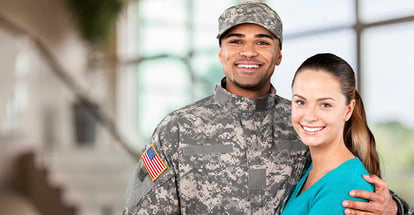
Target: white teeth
312 129
250 66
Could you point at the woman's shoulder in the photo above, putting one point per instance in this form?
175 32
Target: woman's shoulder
348 176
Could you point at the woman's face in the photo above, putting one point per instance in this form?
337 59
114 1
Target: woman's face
319 109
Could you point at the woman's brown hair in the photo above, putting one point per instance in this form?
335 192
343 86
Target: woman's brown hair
358 137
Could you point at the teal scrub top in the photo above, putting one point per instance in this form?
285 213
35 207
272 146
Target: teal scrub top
327 194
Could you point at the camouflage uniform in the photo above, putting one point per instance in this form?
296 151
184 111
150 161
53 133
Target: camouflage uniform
403 207
226 154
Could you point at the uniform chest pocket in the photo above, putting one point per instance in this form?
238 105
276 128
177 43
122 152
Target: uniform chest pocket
206 159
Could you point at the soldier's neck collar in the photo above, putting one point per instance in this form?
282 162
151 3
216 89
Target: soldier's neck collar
242 103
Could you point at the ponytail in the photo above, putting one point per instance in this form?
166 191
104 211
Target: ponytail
357 136
359 139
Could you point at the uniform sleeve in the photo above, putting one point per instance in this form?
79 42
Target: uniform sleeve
145 196
329 199
403 207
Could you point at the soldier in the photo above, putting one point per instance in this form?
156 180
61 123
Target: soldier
234 152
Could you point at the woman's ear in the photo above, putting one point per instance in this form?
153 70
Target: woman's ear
350 110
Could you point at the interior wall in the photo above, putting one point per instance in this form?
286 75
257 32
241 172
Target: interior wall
52 23
35 105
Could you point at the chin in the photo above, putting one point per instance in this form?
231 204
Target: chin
248 85
310 142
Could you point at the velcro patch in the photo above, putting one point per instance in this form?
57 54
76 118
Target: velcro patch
153 162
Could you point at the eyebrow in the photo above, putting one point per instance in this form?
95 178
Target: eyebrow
320 99
242 35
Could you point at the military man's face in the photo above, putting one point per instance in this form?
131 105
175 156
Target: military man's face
249 54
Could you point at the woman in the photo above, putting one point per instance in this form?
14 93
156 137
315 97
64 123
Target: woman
329 116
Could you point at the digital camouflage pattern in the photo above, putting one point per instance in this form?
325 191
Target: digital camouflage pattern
226 154
252 12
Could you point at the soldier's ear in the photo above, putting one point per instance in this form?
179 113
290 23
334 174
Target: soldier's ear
279 57
220 55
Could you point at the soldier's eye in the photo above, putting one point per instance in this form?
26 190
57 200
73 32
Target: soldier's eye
235 41
263 43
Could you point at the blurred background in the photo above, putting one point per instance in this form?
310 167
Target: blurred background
84 84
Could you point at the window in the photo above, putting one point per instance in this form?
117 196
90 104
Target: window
372 11
387 86
296 50
168 54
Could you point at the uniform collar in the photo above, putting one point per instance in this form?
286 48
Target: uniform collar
241 103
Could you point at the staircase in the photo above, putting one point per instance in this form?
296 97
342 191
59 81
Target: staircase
93 181
79 180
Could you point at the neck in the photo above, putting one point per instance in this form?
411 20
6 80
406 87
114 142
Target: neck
325 159
248 93
254 92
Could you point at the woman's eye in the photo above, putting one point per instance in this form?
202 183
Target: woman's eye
300 102
325 105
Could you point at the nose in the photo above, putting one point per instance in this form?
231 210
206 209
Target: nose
249 51
310 114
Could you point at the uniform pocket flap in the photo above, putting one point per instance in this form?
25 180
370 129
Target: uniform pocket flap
207 149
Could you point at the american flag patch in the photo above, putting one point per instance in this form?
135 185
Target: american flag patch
153 163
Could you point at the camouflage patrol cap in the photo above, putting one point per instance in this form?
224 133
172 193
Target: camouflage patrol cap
254 13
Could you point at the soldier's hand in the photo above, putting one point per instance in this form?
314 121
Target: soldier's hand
379 202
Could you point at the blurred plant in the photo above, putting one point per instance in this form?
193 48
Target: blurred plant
95 18
395 143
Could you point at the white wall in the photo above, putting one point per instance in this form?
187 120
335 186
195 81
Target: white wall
35 105
35 102
51 22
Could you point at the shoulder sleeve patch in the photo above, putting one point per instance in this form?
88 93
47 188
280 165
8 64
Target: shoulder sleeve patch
153 163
